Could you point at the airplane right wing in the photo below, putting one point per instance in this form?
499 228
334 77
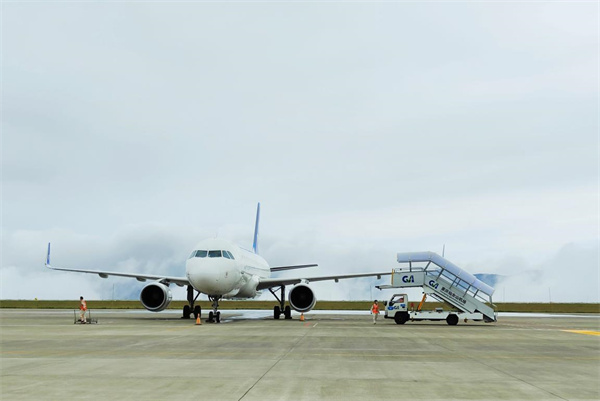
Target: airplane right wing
180 281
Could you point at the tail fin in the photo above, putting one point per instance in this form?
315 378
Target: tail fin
255 242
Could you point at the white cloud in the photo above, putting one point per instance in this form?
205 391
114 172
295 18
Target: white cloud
131 130
571 275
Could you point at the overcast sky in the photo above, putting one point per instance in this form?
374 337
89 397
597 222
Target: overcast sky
130 131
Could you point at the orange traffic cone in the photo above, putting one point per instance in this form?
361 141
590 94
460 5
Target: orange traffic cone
302 317
198 321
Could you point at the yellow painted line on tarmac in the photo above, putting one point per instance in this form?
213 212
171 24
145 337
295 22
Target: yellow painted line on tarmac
588 332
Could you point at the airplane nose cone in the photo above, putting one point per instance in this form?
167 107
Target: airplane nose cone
212 276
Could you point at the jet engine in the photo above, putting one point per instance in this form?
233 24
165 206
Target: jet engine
155 297
302 298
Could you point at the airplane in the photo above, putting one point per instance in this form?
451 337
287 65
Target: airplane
222 270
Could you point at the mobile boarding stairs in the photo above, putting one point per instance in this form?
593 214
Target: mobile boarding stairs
444 281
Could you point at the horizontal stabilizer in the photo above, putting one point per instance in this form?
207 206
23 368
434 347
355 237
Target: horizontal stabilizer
282 268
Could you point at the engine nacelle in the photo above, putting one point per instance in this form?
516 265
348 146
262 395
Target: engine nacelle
302 298
155 297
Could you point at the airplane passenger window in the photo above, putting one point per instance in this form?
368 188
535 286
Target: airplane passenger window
214 254
201 254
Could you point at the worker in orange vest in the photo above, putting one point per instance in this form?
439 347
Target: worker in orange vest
375 311
82 309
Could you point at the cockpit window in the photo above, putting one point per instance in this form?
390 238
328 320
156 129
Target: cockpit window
214 254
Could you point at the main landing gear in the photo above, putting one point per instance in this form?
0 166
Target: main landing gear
187 309
214 315
280 309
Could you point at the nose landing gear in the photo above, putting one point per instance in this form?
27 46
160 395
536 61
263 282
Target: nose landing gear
214 316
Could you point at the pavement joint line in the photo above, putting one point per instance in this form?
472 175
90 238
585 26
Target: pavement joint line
276 362
479 361
312 354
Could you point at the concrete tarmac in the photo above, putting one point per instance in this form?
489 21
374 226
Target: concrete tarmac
138 355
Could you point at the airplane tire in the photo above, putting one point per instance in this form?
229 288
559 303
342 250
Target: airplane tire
211 317
197 311
186 312
452 320
218 317
276 312
288 312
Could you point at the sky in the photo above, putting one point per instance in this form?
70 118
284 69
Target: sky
132 130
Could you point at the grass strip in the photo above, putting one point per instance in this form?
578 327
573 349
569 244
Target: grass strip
532 307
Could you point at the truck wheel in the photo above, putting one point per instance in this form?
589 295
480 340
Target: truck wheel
401 317
452 320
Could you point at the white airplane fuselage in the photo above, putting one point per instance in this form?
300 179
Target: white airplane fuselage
220 268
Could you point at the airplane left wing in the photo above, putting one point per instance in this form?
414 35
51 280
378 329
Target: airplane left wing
292 267
180 281
276 282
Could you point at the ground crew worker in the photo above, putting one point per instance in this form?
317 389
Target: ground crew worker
375 311
82 309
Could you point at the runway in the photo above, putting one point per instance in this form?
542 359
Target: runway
132 355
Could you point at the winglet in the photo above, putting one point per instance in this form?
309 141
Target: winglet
48 256
255 242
